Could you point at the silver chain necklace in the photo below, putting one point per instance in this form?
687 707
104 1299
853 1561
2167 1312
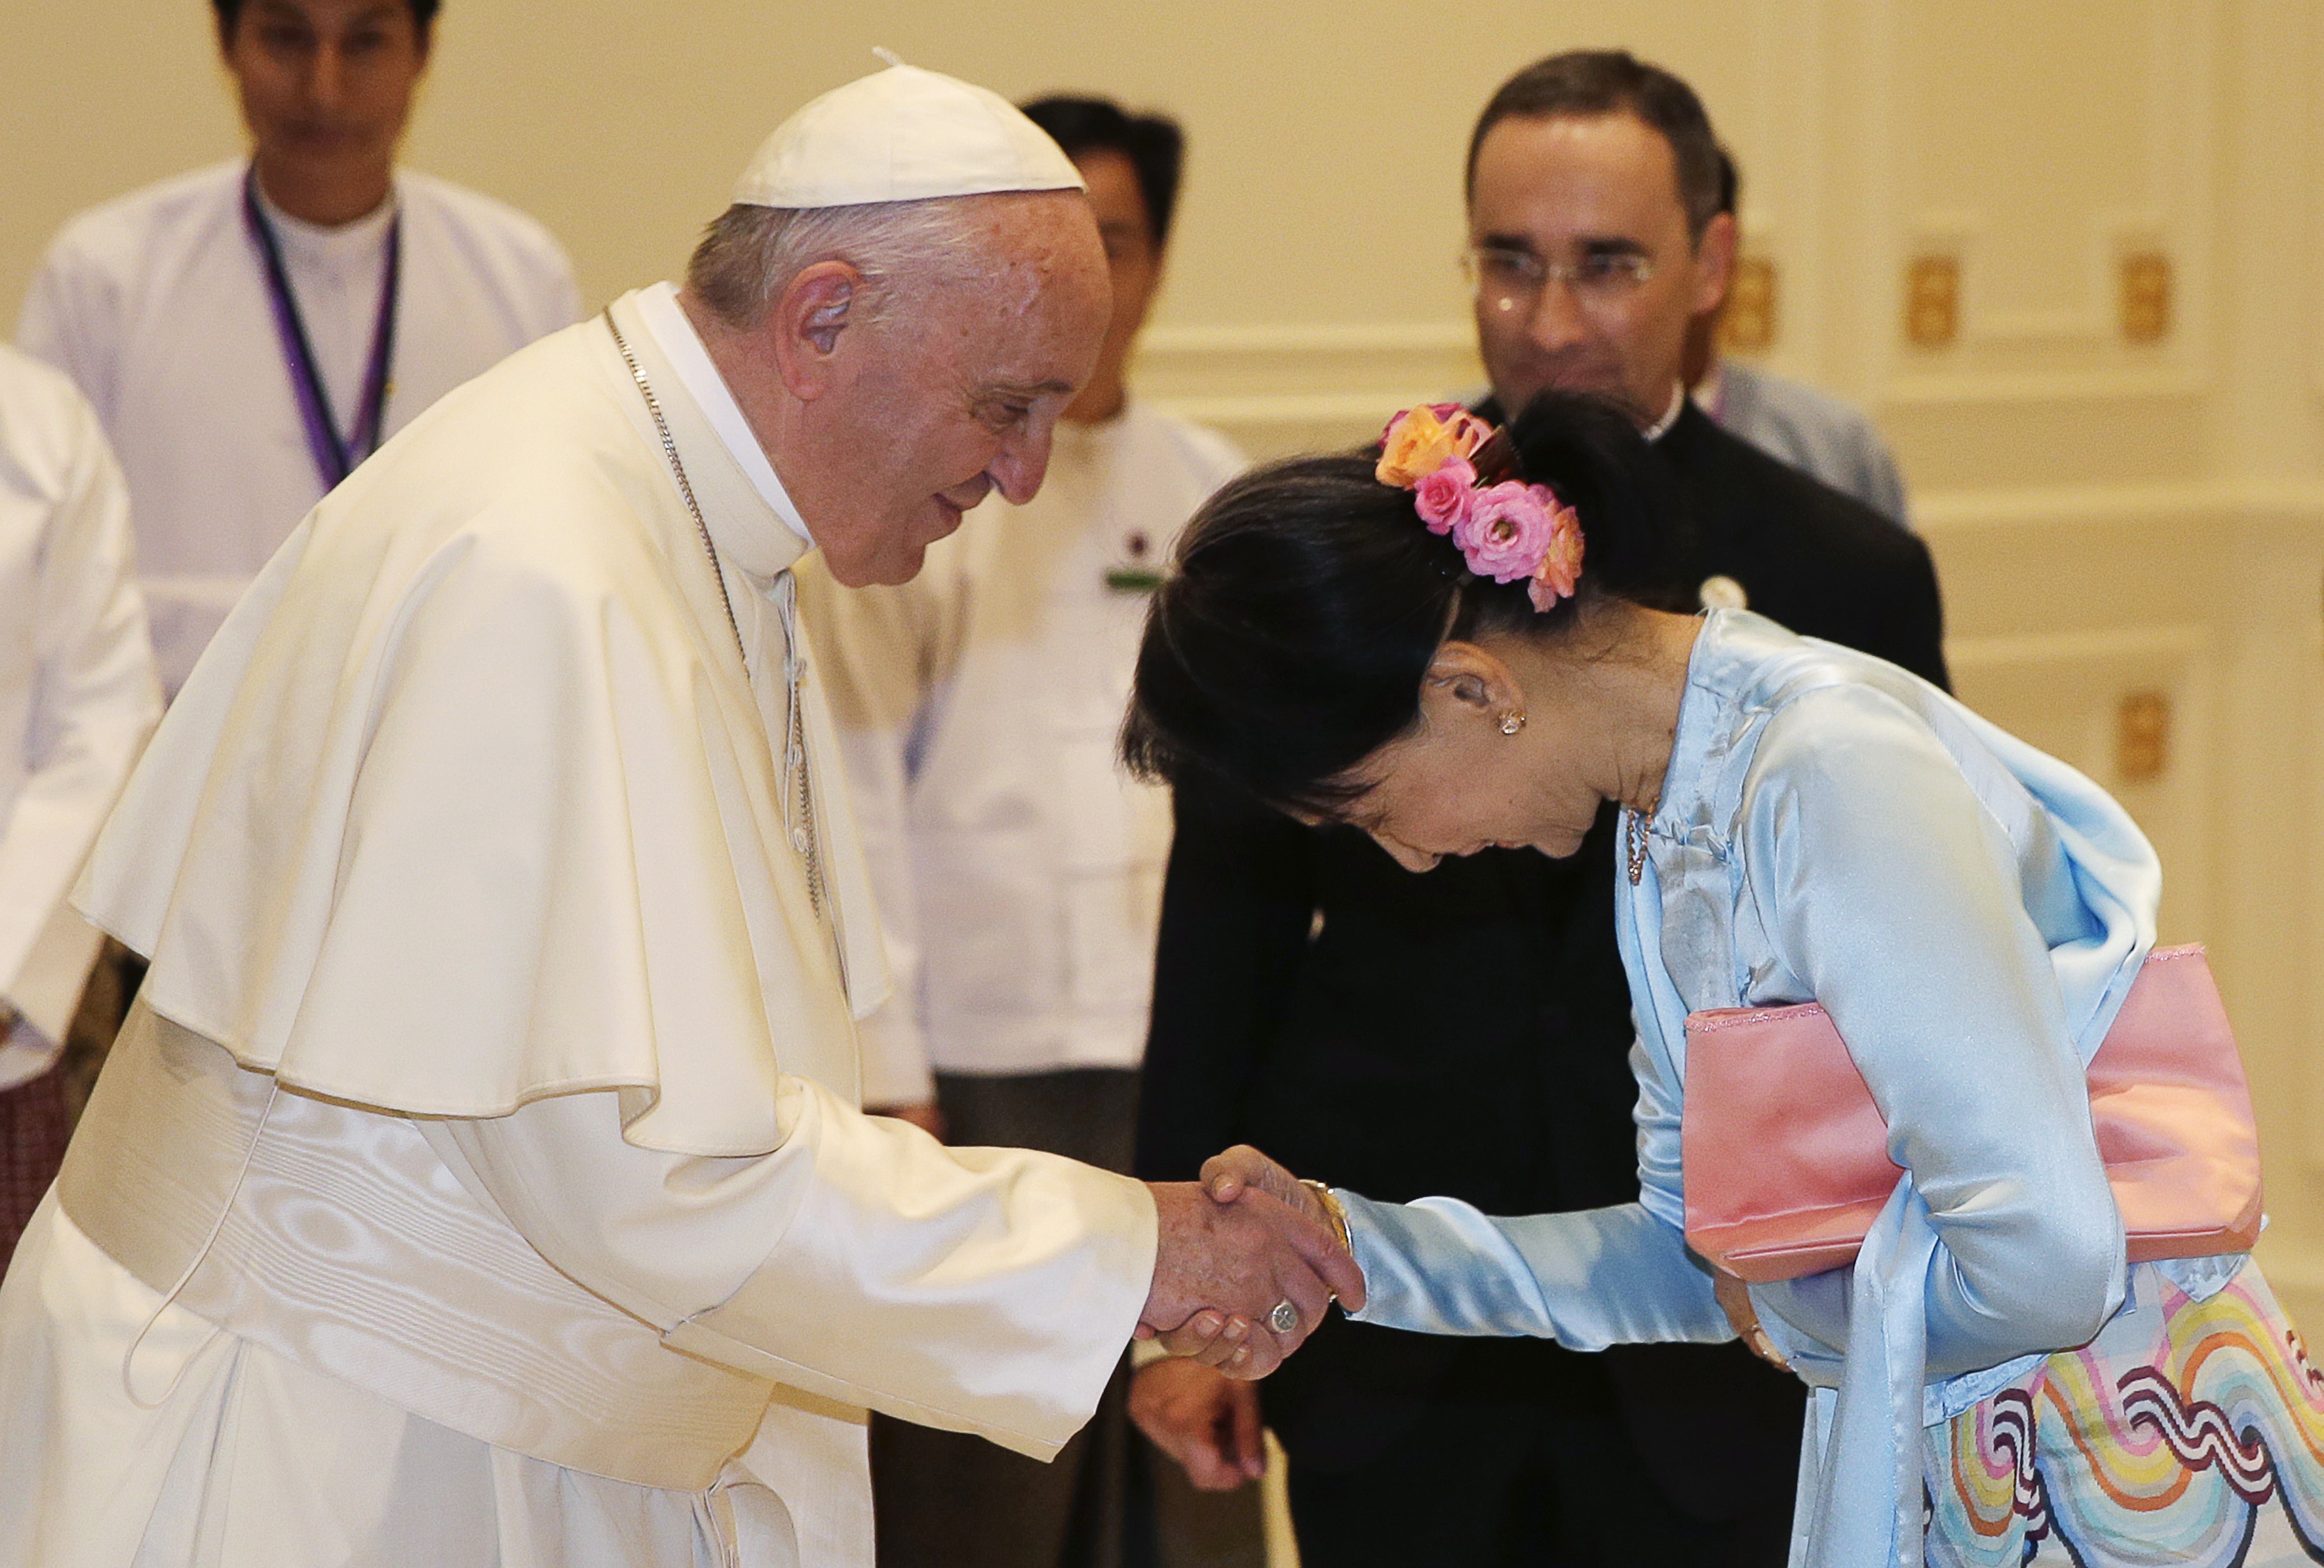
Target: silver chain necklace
798 801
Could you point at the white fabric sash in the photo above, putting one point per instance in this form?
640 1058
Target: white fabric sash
349 1247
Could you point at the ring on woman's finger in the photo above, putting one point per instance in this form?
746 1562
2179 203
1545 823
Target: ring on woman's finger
1284 1318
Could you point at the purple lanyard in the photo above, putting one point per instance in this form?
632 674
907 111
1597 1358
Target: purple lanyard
335 456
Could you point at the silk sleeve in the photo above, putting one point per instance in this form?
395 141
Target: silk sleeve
983 1290
1587 1279
1898 900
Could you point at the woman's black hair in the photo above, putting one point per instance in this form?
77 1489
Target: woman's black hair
1308 600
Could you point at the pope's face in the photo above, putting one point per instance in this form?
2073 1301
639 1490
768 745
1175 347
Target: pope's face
326 85
1596 199
957 392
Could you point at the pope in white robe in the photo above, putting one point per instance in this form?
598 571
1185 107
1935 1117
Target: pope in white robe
479 1178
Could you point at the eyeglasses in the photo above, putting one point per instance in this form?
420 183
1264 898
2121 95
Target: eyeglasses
1512 280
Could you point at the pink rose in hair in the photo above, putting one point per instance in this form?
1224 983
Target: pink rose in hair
1441 497
1506 530
1560 571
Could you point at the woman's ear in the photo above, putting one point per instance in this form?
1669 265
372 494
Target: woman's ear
1474 680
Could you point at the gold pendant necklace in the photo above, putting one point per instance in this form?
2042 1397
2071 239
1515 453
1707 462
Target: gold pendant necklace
1636 832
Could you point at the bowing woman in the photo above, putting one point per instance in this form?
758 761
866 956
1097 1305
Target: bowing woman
1449 659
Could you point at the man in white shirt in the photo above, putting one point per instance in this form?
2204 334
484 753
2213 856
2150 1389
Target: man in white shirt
249 332
479 1179
1018 869
77 700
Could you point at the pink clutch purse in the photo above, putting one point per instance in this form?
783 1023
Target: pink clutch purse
1786 1154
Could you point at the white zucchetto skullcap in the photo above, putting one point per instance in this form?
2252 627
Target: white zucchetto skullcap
903 135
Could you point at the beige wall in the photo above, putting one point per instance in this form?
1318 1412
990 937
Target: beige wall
2110 518
1326 138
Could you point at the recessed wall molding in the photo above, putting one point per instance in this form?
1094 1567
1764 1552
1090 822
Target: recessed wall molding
2014 338
2093 322
1991 386
1333 382
2203 504
2145 646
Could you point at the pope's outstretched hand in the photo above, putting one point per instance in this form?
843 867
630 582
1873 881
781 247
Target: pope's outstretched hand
1238 1283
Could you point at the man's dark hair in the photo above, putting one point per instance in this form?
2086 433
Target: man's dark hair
1730 183
229 12
1155 146
1588 83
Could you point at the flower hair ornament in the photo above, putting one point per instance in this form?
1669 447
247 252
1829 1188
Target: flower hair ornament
1454 464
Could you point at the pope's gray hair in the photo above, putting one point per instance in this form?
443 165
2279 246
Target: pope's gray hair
749 254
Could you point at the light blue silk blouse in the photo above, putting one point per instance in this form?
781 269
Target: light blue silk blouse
1971 913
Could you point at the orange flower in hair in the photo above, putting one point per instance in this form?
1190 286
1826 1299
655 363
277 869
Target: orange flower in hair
1420 440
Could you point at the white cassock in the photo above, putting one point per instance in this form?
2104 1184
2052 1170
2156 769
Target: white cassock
156 305
490 1107
77 697
1018 868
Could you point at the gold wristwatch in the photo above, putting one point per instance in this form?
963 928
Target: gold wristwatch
1331 1206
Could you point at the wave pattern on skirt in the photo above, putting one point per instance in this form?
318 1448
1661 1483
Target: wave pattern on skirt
2189 1432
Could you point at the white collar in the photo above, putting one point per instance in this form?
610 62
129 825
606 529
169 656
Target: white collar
659 307
1660 428
1711 391
357 238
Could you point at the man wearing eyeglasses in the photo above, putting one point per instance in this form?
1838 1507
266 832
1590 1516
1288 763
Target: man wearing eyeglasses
1302 994
1597 236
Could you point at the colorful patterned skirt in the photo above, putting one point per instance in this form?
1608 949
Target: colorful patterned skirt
2189 1432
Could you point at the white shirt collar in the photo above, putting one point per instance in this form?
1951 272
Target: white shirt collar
663 317
358 239
1712 389
1660 428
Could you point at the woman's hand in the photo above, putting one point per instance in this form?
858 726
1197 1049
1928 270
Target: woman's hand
1225 1175
1734 1299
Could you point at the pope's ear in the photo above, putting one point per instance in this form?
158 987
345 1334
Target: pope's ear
807 322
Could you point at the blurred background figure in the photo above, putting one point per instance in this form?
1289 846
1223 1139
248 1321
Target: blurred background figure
78 699
249 332
1019 871
1305 992
1805 426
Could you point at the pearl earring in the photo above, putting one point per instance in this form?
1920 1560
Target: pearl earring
1512 721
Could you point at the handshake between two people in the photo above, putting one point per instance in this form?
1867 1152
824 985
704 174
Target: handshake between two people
1248 1263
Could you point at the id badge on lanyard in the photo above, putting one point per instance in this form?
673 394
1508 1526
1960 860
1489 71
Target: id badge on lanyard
336 455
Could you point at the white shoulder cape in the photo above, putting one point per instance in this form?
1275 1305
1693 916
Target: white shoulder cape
470 803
